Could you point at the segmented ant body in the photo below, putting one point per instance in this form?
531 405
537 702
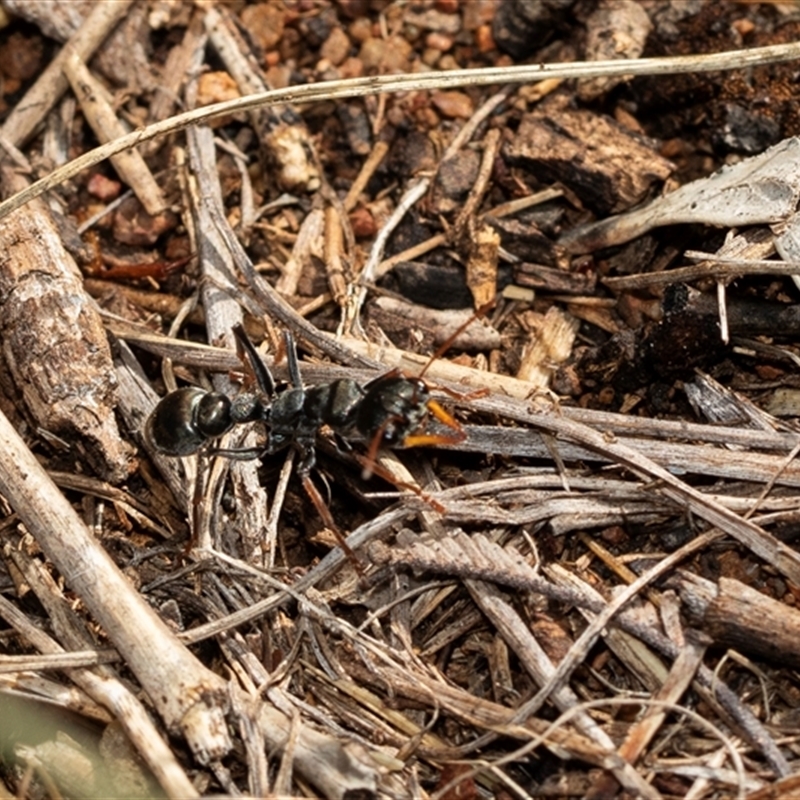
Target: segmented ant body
391 409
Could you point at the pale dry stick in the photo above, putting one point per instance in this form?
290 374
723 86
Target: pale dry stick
727 269
246 197
175 71
333 248
361 87
351 311
541 668
57 661
541 738
491 143
724 331
523 203
760 264
439 239
52 83
97 111
125 707
640 734
474 122
190 698
107 209
270 535
372 162
222 313
750 247
16 155
308 243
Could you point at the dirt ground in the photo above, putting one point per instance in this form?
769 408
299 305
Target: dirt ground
525 525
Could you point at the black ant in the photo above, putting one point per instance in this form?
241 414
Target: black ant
390 409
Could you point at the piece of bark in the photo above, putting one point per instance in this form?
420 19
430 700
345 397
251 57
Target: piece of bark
558 281
484 248
609 168
736 615
722 406
763 189
59 20
53 339
527 242
550 343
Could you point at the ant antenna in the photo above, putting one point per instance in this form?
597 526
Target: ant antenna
261 373
448 343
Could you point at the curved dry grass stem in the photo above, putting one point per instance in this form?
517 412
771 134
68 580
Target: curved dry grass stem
360 87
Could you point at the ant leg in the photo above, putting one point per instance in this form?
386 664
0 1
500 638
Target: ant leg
261 372
445 346
327 519
475 394
307 461
237 453
371 467
291 360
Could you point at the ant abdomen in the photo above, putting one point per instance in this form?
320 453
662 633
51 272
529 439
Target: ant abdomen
184 420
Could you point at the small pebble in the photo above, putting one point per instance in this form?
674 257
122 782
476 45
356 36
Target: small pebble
453 104
264 23
431 56
336 47
216 87
352 68
360 30
484 39
390 55
439 41
363 223
103 188
447 6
